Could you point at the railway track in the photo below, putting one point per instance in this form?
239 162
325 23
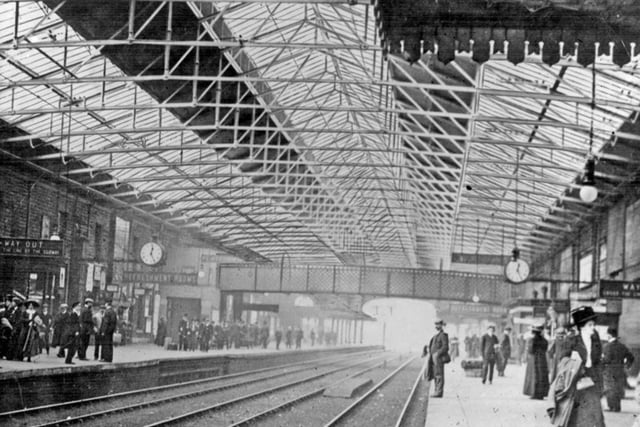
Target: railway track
94 408
275 396
307 407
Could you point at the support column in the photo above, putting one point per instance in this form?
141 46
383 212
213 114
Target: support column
361 331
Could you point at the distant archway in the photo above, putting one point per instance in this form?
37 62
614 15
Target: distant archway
402 324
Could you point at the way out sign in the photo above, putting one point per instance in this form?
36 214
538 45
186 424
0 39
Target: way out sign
619 289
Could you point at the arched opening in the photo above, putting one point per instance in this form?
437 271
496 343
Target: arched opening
401 324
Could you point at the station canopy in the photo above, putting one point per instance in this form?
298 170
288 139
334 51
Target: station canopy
330 132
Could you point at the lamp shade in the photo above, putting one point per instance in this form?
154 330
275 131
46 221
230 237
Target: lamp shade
588 193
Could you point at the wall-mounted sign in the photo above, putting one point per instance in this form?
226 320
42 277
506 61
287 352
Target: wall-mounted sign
160 277
464 308
10 246
619 289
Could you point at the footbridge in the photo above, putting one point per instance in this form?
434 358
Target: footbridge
365 281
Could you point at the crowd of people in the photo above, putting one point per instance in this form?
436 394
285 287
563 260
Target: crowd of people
205 334
574 370
27 329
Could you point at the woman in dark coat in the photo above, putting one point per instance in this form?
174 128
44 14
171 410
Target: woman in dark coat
162 332
586 347
536 380
58 325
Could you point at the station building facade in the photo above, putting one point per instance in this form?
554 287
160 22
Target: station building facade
98 254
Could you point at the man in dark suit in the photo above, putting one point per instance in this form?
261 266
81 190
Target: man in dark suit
107 329
183 327
488 348
615 357
438 348
71 332
505 351
86 328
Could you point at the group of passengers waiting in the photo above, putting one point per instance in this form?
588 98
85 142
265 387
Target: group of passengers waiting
27 330
204 335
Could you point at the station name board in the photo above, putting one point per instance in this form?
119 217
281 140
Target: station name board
463 308
163 278
10 246
619 289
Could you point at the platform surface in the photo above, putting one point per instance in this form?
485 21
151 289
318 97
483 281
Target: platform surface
137 353
469 403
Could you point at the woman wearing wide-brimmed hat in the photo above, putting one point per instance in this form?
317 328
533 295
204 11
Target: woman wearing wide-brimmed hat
29 341
584 390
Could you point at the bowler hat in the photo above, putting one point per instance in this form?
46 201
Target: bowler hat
440 322
75 304
582 315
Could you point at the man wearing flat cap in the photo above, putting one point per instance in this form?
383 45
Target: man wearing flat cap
86 328
438 356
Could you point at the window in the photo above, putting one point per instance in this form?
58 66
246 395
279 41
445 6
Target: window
602 261
632 232
97 242
121 240
62 224
566 264
586 265
45 227
136 247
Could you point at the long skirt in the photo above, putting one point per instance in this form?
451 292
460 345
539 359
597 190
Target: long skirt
587 409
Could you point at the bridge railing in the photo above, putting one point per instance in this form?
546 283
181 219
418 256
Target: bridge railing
376 281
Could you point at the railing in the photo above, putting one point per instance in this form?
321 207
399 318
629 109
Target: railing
361 280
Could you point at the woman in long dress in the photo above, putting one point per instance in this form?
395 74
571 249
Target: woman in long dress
536 380
29 340
586 347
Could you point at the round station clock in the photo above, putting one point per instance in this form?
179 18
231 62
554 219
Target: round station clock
152 253
517 270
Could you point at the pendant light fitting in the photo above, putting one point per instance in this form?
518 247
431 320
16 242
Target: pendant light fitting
588 191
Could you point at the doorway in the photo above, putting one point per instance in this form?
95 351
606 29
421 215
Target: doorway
176 308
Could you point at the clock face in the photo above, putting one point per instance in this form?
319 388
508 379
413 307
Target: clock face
151 253
517 271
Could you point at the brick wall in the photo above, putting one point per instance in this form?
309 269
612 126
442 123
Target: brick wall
26 199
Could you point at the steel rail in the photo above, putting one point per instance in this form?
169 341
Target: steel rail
62 405
290 403
365 396
412 395
156 402
202 411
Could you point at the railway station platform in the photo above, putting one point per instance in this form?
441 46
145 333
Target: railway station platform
140 352
469 403
47 379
